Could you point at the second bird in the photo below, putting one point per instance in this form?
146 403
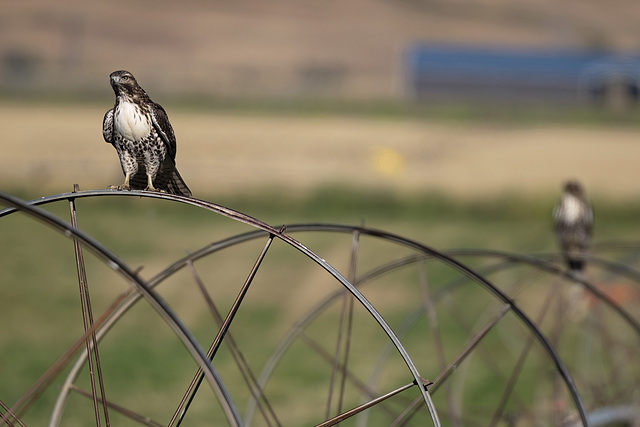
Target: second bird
140 131
573 225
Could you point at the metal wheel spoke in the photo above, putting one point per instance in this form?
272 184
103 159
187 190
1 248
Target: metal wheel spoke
350 375
452 366
87 320
346 415
224 328
497 415
9 416
437 339
45 380
245 370
344 333
141 419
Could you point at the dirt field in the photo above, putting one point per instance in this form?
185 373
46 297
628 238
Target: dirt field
219 153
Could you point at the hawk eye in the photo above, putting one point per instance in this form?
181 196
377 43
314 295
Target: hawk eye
125 77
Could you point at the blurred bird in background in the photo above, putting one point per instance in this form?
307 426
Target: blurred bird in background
573 225
140 131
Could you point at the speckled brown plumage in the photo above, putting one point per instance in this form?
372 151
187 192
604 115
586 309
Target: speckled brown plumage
140 131
573 225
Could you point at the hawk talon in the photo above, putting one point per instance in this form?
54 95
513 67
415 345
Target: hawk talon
119 187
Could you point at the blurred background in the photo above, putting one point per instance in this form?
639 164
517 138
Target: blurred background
468 98
451 122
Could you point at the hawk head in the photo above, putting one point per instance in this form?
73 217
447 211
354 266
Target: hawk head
123 83
573 187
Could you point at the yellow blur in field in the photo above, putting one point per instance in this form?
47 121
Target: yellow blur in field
387 161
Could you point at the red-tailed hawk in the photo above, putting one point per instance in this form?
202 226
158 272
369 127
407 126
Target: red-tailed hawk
573 219
140 131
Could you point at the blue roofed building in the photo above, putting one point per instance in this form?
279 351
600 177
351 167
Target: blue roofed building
450 73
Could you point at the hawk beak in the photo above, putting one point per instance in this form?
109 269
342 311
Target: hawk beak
115 80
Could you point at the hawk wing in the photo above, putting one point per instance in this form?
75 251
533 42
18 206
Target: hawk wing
588 218
168 177
163 127
107 126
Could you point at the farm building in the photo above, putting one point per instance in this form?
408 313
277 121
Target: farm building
564 77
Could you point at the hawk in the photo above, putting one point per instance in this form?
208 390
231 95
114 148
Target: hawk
573 224
140 131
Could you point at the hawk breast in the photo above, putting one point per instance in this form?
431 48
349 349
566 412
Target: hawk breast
573 209
130 122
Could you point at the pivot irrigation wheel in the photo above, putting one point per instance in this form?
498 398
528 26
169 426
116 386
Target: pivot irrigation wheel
369 336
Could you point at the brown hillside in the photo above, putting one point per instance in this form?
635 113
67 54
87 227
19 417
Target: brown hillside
282 47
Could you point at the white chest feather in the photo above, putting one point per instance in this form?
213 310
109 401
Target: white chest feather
129 122
572 209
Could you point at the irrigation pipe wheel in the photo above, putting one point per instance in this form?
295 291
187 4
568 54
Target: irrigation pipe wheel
256 328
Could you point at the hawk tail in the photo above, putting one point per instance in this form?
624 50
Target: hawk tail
167 179
176 185
576 261
576 265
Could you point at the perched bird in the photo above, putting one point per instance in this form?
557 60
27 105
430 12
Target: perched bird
140 131
573 224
